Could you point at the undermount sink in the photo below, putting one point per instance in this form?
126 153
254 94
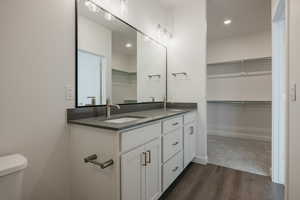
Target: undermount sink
175 110
123 120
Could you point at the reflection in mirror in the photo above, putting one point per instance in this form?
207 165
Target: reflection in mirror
116 61
90 78
151 69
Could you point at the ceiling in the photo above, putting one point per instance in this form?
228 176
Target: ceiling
170 3
248 17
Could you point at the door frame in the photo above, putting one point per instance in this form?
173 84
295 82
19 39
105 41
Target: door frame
280 91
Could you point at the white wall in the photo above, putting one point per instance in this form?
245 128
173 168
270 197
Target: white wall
236 48
37 59
187 53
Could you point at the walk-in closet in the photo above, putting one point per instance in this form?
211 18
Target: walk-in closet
240 114
239 86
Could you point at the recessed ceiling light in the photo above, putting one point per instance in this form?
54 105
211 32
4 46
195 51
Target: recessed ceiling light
128 45
227 21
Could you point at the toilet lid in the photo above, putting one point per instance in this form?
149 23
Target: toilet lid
12 163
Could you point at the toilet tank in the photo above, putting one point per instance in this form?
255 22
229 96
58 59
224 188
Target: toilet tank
11 176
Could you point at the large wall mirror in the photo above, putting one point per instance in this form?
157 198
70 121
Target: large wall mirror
116 61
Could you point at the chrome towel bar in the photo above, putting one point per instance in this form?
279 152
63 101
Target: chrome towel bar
93 159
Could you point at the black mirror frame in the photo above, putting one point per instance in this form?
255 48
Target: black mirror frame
76 56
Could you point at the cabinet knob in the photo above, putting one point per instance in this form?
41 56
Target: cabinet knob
192 130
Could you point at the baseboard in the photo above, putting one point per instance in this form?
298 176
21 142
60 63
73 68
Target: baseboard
242 135
201 160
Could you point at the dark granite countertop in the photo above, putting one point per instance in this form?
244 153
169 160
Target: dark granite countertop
144 117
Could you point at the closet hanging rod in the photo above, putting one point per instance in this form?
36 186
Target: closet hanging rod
240 60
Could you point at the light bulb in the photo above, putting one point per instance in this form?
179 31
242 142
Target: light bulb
159 31
227 21
123 6
128 45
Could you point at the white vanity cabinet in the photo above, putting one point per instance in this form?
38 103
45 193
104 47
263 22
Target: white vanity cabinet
140 172
135 173
146 159
172 140
189 138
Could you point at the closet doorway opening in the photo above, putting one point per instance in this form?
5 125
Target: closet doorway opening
242 132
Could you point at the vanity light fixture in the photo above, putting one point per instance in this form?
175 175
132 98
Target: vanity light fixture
163 32
123 6
159 30
128 45
227 21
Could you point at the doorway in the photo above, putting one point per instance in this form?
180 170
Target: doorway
246 87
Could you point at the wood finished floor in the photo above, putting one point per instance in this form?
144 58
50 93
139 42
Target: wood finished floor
213 182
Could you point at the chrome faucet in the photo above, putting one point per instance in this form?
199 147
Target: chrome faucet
109 105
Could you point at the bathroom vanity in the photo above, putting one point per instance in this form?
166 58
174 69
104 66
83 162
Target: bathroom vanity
140 158
138 152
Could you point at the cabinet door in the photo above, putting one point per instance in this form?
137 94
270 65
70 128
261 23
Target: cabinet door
133 174
189 143
153 170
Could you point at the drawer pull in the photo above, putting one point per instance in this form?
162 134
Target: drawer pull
192 130
175 124
92 159
175 143
148 160
144 159
175 169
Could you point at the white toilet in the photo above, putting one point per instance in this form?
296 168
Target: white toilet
11 176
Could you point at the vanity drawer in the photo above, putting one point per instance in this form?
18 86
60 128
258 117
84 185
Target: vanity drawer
171 170
172 143
172 124
190 117
139 136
